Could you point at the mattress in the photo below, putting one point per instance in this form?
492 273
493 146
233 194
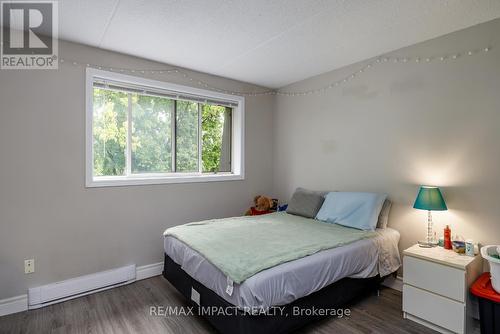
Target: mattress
284 283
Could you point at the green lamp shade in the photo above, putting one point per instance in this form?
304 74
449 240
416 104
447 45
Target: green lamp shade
430 198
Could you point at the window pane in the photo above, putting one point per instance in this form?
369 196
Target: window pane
110 132
151 134
187 137
216 138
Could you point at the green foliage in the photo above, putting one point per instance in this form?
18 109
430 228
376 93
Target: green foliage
151 136
187 137
212 126
110 132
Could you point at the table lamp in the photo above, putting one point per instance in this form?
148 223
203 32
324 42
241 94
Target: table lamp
430 199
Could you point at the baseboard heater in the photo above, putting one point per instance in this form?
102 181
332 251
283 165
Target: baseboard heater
72 288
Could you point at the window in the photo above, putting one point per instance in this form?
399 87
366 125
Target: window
142 131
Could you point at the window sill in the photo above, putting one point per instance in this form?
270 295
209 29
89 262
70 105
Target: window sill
119 181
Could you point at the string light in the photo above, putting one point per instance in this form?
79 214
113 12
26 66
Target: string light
321 90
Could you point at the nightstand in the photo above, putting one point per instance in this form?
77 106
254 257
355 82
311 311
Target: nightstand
436 285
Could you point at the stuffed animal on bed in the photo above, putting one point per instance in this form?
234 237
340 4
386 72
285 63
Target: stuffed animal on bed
262 206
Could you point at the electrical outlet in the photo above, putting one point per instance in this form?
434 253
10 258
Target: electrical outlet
29 266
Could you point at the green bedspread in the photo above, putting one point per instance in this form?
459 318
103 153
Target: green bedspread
242 246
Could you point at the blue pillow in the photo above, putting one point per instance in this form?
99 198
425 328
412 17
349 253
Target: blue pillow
352 209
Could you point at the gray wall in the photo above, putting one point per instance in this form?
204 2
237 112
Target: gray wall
46 213
401 125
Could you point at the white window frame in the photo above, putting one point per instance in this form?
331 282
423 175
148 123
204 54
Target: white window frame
237 140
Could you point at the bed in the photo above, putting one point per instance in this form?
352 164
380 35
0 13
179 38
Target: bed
268 300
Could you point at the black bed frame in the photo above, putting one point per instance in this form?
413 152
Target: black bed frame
333 296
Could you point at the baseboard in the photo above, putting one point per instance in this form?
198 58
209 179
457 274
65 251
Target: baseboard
149 270
13 305
393 283
78 287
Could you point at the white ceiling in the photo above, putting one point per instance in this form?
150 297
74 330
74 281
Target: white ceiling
267 42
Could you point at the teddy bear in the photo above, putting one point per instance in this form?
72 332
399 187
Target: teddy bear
262 206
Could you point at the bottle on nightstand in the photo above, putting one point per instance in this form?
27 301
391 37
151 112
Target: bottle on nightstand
447 237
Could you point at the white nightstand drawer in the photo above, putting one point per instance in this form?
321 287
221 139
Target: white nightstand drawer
434 277
439 310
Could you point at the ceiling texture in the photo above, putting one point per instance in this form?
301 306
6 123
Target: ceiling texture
267 42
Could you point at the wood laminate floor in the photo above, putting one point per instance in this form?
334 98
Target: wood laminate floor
126 309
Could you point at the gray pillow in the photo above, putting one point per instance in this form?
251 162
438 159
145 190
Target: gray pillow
383 217
305 203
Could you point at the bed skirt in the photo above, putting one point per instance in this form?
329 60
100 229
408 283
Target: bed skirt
284 319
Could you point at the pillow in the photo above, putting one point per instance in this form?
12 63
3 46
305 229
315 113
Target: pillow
305 203
352 209
383 217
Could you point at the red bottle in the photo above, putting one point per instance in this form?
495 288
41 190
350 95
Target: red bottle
447 237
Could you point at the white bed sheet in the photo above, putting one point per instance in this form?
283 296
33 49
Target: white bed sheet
292 280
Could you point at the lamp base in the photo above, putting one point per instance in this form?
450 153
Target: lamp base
426 244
